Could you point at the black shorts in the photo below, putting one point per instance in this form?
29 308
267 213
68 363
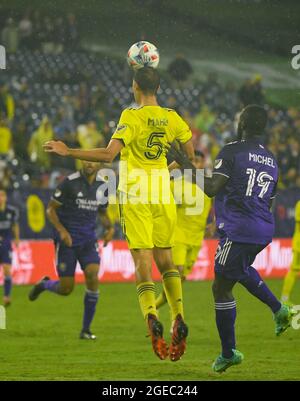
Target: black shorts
67 257
233 259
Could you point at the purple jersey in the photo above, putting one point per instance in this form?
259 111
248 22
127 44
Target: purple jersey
243 206
8 217
80 204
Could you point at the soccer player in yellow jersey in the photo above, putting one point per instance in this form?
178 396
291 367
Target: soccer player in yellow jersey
142 136
190 227
291 276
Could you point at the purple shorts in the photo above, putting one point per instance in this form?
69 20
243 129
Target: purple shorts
233 259
67 257
5 254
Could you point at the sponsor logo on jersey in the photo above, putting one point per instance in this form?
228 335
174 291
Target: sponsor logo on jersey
218 163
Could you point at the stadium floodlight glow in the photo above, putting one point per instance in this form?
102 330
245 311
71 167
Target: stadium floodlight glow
2 58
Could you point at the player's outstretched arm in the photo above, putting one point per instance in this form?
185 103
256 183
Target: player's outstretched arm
188 149
212 185
94 155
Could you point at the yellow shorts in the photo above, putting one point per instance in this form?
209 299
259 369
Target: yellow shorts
185 255
148 225
296 261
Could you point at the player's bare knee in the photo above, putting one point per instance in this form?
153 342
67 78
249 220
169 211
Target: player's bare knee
163 259
7 271
165 266
92 282
143 274
66 289
91 276
214 289
220 292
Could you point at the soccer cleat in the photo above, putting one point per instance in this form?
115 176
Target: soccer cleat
283 319
221 364
179 335
287 302
38 289
6 301
87 335
156 330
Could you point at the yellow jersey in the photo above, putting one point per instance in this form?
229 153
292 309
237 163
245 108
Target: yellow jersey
296 237
193 208
5 140
145 132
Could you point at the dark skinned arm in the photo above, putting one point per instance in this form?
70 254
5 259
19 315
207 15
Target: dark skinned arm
212 185
188 148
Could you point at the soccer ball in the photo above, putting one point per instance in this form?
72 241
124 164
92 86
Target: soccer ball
143 54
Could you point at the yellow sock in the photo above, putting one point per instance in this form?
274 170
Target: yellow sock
146 294
161 299
288 285
173 291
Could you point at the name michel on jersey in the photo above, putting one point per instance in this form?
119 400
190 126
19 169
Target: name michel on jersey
268 161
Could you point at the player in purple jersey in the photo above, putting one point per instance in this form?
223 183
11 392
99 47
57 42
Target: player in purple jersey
73 211
9 229
244 183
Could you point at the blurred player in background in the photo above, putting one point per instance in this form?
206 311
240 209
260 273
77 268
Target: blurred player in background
291 276
9 230
244 182
142 137
73 212
190 228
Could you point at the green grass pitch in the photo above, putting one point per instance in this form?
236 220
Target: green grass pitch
41 340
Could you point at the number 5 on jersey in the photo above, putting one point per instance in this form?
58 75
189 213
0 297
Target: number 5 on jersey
153 141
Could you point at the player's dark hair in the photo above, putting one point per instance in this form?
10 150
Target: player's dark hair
254 120
148 80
